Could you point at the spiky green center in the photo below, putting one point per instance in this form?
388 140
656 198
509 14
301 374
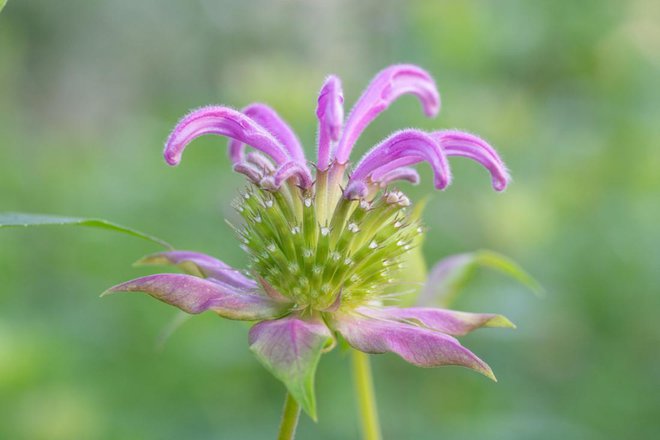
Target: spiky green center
312 257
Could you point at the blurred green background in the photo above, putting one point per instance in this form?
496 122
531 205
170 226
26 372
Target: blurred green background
567 91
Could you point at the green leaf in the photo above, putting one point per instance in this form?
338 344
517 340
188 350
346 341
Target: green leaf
450 275
17 219
2 4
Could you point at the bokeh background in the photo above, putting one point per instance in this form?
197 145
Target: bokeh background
567 91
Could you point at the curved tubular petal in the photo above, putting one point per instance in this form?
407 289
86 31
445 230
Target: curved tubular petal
296 169
405 147
249 170
381 172
446 321
356 190
290 348
419 346
196 295
260 161
204 265
268 118
459 143
222 121
384 89
402 173
330 113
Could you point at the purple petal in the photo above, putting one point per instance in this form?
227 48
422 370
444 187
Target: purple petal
419 346
252 172
330 113
378 174
405 147
260 161
356 190
222 121
446 321
385 88
458 143
290 348
291 169
275 125
196 295
401 173
205 265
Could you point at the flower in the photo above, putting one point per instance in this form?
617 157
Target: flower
325 246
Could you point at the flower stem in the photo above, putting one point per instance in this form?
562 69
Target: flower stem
364 388
289 420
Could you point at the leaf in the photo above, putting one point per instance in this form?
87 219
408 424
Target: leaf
451 274
17 219
2 4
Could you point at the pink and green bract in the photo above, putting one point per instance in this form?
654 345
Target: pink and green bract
327 241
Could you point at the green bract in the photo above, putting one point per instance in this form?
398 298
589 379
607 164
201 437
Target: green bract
356 252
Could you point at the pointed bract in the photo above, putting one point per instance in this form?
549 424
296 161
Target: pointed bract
195 295
446 321
206 266
419 346
290 348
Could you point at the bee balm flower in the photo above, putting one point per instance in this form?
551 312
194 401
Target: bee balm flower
325 246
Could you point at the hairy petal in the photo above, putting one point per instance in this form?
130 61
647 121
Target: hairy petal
404 162
260 161
290 348
402 173
330 113
202 265
459 143
291 169
268 118
222 121
252 172
384 89
419 346
443 320
196 295
404 147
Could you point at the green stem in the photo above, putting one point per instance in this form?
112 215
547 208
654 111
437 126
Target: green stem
289 420
364 388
